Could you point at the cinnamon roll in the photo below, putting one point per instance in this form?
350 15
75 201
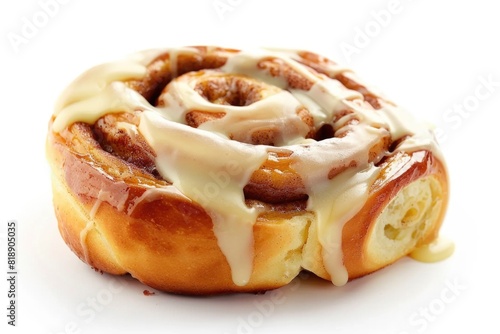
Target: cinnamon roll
204 170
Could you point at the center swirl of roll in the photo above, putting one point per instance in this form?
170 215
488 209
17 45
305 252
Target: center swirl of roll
238 107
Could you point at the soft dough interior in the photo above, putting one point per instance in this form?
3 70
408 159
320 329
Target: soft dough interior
405 222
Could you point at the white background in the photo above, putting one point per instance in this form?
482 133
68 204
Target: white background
430 56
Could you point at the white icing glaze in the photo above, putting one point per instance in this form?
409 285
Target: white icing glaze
97 79
324 98
335 202
246 63
185 156
83 239
437 250
276 111
113 98
130 129
103 196
152 194
218 187
174 53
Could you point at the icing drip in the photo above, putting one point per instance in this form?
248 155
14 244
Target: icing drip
335 202
219 189
153 194
174 55
337 172
108 196
435 251
83 239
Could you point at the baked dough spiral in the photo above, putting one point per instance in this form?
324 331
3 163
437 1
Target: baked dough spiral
204 170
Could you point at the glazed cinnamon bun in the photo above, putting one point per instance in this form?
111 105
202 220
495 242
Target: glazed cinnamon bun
204 170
